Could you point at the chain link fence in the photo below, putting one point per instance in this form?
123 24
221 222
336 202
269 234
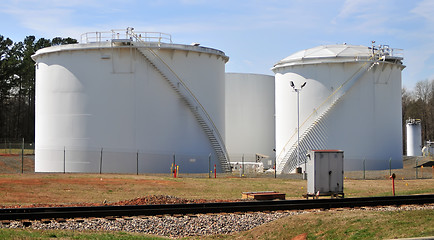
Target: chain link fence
17 156
16 147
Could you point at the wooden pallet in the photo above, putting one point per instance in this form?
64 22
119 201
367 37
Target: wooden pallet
267 195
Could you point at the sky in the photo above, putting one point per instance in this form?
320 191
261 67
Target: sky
254 34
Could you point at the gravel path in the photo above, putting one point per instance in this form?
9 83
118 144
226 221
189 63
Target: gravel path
182 226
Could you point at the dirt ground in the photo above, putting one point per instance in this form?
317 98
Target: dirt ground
42 189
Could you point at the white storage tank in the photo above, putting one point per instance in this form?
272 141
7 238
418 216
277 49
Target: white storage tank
127 102
250 125
351 100
414 137
325 172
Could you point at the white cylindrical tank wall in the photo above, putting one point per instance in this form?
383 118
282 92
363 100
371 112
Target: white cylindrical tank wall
103 107
351 101
414 137
250 130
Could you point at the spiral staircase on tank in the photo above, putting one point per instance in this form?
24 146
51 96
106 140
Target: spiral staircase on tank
314 129
187 96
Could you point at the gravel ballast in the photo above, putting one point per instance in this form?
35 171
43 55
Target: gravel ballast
184 225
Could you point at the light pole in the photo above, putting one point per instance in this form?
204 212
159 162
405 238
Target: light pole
297 90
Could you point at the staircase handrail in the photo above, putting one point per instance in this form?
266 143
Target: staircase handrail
191 95
323 103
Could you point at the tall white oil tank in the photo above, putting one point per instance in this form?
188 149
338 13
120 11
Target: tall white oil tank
414 137
250 125
127 102
349 99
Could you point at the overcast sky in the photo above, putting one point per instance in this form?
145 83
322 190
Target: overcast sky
254 34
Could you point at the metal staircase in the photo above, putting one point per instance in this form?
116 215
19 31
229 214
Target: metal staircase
188 97
314 136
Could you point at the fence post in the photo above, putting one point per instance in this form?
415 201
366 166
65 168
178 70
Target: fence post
64 159
390 166
137 162
416 168
209 165
100 162
242 167
364 169
22 157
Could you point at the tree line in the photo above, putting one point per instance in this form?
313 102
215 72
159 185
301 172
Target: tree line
419 104
17 85
17 91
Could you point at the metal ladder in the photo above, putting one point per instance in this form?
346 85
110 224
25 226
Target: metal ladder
188 98
314 136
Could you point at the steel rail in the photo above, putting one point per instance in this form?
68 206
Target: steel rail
202 208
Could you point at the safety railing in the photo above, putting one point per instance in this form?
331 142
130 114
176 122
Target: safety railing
190 98
107 36
319 112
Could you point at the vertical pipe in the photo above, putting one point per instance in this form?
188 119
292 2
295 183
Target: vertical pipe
364 169
137 162
416 168
174 163
22 157
100 162
298 129
215 172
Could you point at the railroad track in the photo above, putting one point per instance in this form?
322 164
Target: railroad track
228 207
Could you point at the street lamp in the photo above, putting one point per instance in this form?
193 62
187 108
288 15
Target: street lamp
297 90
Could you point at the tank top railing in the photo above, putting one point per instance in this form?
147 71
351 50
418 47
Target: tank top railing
312 124
118 34
191 100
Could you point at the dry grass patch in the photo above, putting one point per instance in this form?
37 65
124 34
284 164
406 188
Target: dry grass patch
25 189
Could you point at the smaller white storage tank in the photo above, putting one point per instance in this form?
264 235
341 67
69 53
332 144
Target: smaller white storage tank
325 172
428 149
414 137
249 117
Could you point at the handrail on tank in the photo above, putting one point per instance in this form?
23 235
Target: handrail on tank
106 36
201 107
315 111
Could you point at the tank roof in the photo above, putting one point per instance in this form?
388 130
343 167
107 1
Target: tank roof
118 44
339 53
129 38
